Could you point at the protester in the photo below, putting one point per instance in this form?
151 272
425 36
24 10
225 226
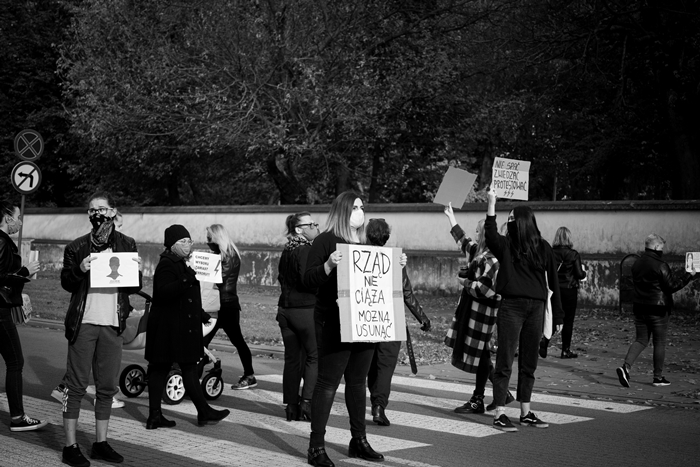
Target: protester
220 242
12 279
527 268
569 273
386 354
654 285
337 359
295 315
95 319
174 330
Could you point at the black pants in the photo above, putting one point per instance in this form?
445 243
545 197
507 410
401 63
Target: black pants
158 376
230 321
569 300
11 350
384 359
300 353
337 360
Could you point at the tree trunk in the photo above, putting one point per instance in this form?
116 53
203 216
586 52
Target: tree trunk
688 157
377 166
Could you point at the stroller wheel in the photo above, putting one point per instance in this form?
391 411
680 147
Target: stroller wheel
174 388
212 386
132 380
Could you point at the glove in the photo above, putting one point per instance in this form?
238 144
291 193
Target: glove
426 325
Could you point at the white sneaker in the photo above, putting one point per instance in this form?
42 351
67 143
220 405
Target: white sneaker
116 403
59 393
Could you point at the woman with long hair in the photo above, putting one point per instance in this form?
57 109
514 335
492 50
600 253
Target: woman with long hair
569 272
12 279
295 315
220 242
527 269
336 359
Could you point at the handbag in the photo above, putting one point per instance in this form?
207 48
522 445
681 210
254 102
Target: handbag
22 314
548 315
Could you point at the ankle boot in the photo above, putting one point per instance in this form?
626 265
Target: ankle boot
305 410
475 405
157 420
292 411
212 416
318 457
359 447
378 416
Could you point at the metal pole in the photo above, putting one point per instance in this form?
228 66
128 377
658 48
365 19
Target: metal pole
21 218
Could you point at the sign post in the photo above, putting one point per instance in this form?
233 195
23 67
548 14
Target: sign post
26 176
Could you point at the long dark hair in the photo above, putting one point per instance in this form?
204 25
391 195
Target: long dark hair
526 240
7 208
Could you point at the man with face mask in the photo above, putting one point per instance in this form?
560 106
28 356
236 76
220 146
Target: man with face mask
94 322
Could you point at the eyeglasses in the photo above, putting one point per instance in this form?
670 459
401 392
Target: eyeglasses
185 241
102 211
310 224
377 219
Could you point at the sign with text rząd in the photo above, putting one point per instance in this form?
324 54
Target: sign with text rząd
510 178
370 296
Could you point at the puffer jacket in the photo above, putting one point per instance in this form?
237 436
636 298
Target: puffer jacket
569 270
654 282
77 282
228 292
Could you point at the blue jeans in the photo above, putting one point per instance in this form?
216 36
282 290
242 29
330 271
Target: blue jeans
11 350
647 325
519 325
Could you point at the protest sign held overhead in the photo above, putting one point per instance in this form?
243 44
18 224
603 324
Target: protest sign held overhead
510 178
207 266
455 187
114 270
370 295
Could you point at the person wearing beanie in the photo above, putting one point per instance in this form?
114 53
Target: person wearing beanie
175 330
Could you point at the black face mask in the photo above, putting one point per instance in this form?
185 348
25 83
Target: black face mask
512 230
214 247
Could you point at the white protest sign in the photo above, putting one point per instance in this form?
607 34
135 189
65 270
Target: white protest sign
114 270
692 261
370 294
510 178
207 266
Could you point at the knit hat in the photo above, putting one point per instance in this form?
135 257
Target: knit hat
174 233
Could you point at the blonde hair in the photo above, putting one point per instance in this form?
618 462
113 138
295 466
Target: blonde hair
654 240
481 239
563 237
339 217
221 237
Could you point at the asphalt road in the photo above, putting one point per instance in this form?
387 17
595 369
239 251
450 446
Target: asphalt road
425 431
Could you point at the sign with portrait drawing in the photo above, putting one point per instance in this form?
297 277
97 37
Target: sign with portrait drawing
207 266
370 294
114 270
692 261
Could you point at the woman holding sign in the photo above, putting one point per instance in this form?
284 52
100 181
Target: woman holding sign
527 269
346 224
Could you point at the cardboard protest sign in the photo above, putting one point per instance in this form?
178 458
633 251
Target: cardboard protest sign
510 178
692 260
455 187
33 256
370 294
207 266
114 270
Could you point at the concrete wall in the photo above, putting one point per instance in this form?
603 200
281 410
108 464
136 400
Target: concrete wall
603 232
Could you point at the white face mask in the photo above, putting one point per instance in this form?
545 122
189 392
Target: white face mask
357 219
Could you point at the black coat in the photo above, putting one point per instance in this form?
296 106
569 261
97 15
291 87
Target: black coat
174 330
654 282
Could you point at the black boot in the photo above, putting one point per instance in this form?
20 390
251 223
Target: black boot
318 457
212 416
359 447
157 420
378 416
474 405
305 410
544 343
292 411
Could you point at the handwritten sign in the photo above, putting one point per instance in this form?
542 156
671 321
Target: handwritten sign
455 187
207 266
114 270
510 178
692 261
370 295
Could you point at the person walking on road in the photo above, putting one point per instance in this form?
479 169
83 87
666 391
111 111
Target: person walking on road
654 285
295 315
527 269
12 279
95 319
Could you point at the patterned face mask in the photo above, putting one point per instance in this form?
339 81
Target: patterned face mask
102 227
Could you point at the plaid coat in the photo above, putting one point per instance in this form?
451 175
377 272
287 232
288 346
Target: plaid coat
475 316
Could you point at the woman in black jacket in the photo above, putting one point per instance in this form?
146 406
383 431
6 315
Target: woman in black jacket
295 315
569 272
174 329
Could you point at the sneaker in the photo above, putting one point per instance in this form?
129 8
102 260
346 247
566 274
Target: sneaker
624 376
475 405
531 420
105 452
73 456
246 382
661 382
116 403
59 392
503 423
492 405
27 424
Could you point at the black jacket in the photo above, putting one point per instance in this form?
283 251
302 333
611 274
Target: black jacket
569 270
77 282
410 300
291 275
228 294
12 274
654 282
174 328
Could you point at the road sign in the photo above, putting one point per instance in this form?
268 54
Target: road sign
29 145
26 177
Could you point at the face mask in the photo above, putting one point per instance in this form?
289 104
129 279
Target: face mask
214 247
183 251
512 230
13 227
98 219
357 219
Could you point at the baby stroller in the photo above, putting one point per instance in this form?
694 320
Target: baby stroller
134 379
